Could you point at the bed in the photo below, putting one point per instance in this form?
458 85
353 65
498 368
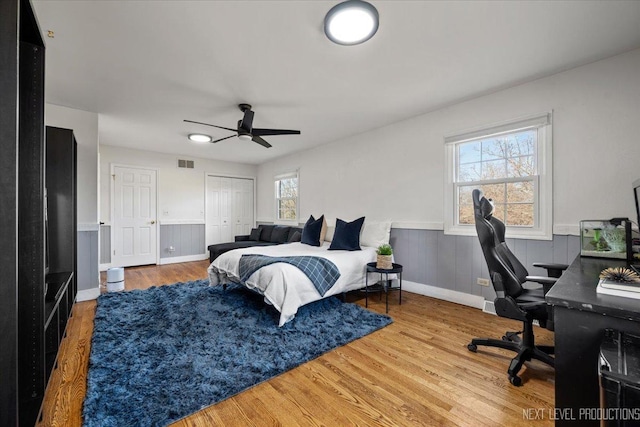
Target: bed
285 286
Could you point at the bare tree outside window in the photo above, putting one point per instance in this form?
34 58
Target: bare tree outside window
504 168
287 198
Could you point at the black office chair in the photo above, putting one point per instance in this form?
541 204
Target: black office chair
512 299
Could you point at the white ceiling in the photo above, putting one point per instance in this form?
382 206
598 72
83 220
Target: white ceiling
144 66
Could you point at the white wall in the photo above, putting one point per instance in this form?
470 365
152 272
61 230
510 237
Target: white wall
181 192
85 129
397 172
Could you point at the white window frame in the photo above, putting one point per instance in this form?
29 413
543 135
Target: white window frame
543 182
276 179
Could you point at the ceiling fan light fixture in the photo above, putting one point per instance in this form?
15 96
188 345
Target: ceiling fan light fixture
351 22
200 137
244 137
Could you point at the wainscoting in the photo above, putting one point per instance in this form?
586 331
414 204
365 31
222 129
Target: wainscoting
451 264
178 243
105 244
182 242
454 263
88 250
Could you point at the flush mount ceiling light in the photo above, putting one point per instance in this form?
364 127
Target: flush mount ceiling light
200 137
351 22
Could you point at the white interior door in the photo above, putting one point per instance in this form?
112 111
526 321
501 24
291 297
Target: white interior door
229 208
134 217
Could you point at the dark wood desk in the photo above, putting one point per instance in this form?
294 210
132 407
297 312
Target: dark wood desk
581 315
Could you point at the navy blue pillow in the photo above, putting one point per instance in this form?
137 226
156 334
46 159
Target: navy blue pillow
311 231
347 235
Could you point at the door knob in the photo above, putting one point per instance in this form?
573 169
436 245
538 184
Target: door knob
153 222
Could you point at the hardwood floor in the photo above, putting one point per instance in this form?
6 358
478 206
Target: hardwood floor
417 371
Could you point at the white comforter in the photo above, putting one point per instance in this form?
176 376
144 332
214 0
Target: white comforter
286 287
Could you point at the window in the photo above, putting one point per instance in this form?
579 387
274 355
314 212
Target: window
511 164
287 197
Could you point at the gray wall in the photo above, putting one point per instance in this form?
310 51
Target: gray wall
87 247
105 244
433 258
186 239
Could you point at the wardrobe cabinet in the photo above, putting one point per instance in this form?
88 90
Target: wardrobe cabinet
37 289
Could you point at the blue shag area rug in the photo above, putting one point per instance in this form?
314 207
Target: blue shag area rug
160 354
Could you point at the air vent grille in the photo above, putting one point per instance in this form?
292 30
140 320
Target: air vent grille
186 164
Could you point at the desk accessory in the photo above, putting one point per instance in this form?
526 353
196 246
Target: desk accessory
619 281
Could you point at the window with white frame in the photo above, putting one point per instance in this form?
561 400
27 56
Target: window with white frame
287 197
511 164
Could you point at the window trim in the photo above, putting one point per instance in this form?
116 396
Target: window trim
277 178
543 197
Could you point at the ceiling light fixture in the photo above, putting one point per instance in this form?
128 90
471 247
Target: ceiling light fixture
351 22
200 137
244 137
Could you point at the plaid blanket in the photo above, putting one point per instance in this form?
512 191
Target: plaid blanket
322 272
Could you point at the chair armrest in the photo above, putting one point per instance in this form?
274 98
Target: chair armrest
242 238
553 270
546 282
543 280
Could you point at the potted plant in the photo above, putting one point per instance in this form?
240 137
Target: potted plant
384 260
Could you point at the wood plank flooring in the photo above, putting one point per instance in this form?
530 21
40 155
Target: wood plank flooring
417 371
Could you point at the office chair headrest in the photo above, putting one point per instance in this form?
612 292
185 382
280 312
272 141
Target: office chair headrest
482 206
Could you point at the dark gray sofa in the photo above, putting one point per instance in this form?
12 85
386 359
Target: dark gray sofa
264 235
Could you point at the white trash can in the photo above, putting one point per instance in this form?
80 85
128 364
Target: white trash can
115 279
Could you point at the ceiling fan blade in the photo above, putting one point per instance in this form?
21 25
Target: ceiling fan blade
247 121
215 126
222 139
260 141
262 132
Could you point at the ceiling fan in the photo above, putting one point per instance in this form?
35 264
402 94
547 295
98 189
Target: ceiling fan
246 131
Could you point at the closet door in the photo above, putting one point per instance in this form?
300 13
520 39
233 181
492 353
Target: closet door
226 210
242 206
247 206
229 208
213 220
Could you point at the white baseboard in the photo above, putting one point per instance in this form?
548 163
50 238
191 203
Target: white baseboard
88 294
475 301
187 258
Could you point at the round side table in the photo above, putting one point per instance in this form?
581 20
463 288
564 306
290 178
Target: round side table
383 285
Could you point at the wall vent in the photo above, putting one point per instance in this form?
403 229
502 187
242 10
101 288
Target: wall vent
186 164
489 307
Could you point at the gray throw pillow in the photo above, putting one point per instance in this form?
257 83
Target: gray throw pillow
295 237
255 234
280 234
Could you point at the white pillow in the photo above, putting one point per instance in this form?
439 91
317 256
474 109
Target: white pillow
329 234
374 234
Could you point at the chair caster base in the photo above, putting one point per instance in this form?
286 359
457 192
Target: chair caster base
515 380
472 347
